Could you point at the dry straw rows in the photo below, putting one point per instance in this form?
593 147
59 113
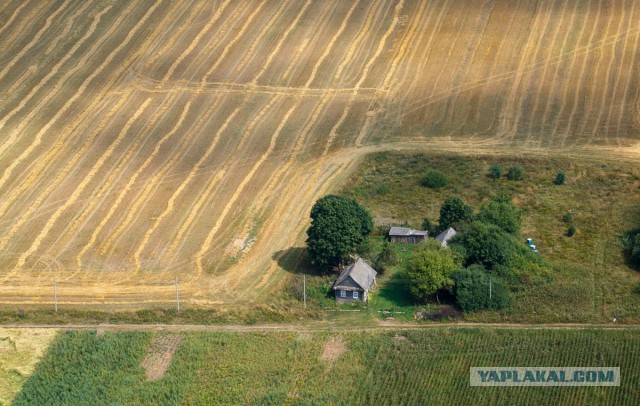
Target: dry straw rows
140 140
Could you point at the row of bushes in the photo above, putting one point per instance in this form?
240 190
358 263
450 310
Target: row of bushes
435 179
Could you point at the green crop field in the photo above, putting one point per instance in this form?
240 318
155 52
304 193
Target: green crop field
401 367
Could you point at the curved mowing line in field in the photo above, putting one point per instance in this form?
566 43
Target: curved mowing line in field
77 192
24 21
183 185
284 36
230 45
630 77
42 162
408 38
596 74
564 92
197 39
192 214
607 82
170 206
358 40
14 134
374 58
38 36
29 73
265 28
272 143
542 79
38 139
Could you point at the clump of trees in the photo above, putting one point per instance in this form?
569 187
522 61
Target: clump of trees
454 210
429 270
339 226
434 179
476 290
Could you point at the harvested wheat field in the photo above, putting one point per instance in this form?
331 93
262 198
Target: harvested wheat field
144 141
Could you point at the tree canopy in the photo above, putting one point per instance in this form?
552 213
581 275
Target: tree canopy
454 210
475 290
502 214
338 226
429 269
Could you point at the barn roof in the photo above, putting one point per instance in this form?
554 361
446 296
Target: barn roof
360 272
403 231
444 237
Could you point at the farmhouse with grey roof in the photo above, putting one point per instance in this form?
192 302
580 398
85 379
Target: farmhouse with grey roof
355 282
405 235
444 237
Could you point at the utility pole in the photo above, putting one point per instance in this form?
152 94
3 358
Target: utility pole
304 285
177 296
55 295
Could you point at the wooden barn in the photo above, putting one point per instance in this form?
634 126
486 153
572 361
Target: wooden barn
405 235
355 282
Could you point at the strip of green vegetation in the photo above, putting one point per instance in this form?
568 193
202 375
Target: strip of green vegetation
590 279
401 367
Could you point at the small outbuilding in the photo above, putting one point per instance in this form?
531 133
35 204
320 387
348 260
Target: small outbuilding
444 237
405 235
355 282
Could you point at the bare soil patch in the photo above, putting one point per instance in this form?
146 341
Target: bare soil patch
160 354
333 349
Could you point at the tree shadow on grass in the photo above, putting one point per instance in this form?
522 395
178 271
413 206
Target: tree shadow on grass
294 260
393 291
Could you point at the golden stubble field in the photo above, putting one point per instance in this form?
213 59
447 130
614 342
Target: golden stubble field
144 141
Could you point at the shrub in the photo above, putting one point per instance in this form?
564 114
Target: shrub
434 179
567 218
571 231
472 287
454 210
559 180
429 227
504 215
429 269
632 248
386 258
495 172
516 172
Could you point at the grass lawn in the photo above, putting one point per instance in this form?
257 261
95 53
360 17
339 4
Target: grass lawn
341 367
591 282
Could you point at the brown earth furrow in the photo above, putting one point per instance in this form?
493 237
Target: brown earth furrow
54 71
23 24
286 34
196 40
619 55
564 92
77 192
231 43
550 93
630 77
590 100
169 135
44 160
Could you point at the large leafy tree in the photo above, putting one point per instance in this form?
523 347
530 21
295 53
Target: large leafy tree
476 291
338 226
502 214
454 210
429 270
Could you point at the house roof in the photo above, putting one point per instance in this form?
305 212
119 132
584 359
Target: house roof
360 272
403 231
444 237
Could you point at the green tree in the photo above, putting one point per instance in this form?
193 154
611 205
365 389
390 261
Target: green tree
516 172
454 210
386 258
504 215
429 269
495 172
429 227
559 180
475 290
434 179
571 231
487 245
338 227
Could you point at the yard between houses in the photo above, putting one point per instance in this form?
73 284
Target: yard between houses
590 280
329 367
